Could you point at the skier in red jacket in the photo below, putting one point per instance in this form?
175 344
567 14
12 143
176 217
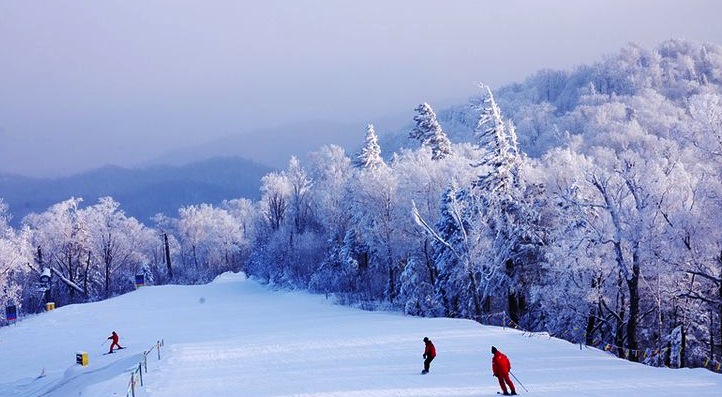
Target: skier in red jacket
114 337
500 367
429 354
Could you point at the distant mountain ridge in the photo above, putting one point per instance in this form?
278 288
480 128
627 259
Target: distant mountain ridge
274 146
141 192
270 146
225 168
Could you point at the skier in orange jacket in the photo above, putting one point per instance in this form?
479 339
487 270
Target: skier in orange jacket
114 337
500 367
429 354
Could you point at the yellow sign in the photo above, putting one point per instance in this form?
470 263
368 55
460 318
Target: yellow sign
81 358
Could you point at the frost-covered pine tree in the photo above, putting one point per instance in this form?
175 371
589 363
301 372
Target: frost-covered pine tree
506 206
501 162
416 292
429 132
370 154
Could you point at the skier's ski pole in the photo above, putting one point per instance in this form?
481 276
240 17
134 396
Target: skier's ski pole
106 341
519 382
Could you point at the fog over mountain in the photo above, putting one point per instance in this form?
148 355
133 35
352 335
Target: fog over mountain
274 146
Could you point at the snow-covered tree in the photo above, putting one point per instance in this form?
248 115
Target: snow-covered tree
167 250
300 209
457 272
275 198
578 274
501 162
429 132
423 181
416 293
289 246
330 170
244 212
119 246
211 240
375 211
61 238
14 255
507 207
370 154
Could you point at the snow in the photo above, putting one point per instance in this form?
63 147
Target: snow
235 337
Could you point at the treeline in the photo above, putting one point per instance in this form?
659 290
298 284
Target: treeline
594 215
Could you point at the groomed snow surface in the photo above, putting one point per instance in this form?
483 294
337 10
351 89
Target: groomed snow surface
235 337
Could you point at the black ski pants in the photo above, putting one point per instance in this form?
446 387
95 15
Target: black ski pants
427 362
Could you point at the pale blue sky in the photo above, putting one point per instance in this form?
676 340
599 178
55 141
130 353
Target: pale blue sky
85 83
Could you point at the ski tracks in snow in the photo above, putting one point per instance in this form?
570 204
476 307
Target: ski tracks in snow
76 378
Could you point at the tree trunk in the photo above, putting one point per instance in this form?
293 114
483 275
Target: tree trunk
588 332
392 284
514 306
619 329
475 294
711 336
512 297
633 286
592 319
195 260
107 279
86 275
167 256
429 263
71 274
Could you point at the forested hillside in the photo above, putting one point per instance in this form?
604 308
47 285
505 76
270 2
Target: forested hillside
584 203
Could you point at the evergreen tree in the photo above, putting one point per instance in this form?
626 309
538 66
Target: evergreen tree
370 154
416 292
429 132
501 162
507 208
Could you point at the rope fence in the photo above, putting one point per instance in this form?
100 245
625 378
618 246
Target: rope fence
710 363
136 376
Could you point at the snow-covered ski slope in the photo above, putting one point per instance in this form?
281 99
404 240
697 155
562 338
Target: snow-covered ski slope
234 337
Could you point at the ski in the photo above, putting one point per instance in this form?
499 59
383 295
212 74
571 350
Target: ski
120 348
